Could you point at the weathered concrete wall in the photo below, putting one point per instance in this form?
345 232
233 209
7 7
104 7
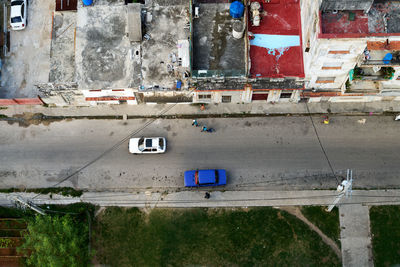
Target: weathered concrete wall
167 96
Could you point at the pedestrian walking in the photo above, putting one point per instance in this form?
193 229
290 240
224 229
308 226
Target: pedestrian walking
195 123
207 195
204 129
326 120
202 107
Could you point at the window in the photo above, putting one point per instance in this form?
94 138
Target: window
286 95
325 80
206 97
332 65
226 99
341 52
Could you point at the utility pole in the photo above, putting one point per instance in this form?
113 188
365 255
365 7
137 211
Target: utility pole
344 188
21 201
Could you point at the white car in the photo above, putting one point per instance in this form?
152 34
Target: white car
147 145
18 14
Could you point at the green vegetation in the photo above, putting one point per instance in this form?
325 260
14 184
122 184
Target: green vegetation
5 243
327 222
207 237
55 241
387 72
385 229
14 213
58 239
65 191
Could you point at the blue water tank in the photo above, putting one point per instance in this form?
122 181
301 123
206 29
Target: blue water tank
236 10
388 57
87 2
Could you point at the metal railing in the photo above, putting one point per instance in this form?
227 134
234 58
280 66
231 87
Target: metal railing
392 62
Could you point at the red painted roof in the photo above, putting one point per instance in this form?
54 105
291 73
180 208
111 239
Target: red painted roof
282 18
381 20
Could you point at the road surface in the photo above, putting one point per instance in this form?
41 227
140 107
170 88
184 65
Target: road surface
263 153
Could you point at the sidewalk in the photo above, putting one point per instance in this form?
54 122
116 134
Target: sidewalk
355 236
187 109
195 198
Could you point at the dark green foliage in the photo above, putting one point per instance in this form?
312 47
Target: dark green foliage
387 72
65 191
385 229
207 237
56 241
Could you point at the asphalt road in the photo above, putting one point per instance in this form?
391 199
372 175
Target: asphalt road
268 153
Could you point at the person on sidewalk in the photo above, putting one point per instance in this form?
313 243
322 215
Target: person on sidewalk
195 123
204 129
326 120
202 107
207 195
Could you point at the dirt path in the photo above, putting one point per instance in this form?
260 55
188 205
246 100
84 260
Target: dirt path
296 212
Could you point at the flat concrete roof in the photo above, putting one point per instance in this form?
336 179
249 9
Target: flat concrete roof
104 55
161 66
214 47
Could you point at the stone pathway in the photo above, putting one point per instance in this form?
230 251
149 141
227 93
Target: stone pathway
355 235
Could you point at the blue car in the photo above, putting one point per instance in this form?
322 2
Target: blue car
197 178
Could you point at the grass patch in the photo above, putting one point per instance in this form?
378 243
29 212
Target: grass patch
65 191
327 222
385 229
207 237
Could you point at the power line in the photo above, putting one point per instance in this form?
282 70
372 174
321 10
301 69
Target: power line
319 141
116 145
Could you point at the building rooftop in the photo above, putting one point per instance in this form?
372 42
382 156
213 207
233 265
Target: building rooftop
102 56
215 50
276 49
259 84
382 19
167 26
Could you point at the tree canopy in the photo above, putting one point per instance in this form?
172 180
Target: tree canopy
56 241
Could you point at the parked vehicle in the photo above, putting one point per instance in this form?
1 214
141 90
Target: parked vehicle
18 14
147 145
196 178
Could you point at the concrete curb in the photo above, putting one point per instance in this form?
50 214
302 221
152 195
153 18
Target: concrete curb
191 199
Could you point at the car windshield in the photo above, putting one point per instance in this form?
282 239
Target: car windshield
140 144
16 19
16 3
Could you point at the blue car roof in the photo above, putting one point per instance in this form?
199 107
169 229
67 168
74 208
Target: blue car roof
207 176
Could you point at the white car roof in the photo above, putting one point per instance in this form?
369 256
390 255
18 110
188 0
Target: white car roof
15 11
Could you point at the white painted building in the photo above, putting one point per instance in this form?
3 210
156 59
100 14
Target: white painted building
341 44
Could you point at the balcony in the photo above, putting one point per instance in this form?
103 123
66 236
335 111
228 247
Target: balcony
376 73
381 58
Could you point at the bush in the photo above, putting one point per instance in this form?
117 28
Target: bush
55 241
